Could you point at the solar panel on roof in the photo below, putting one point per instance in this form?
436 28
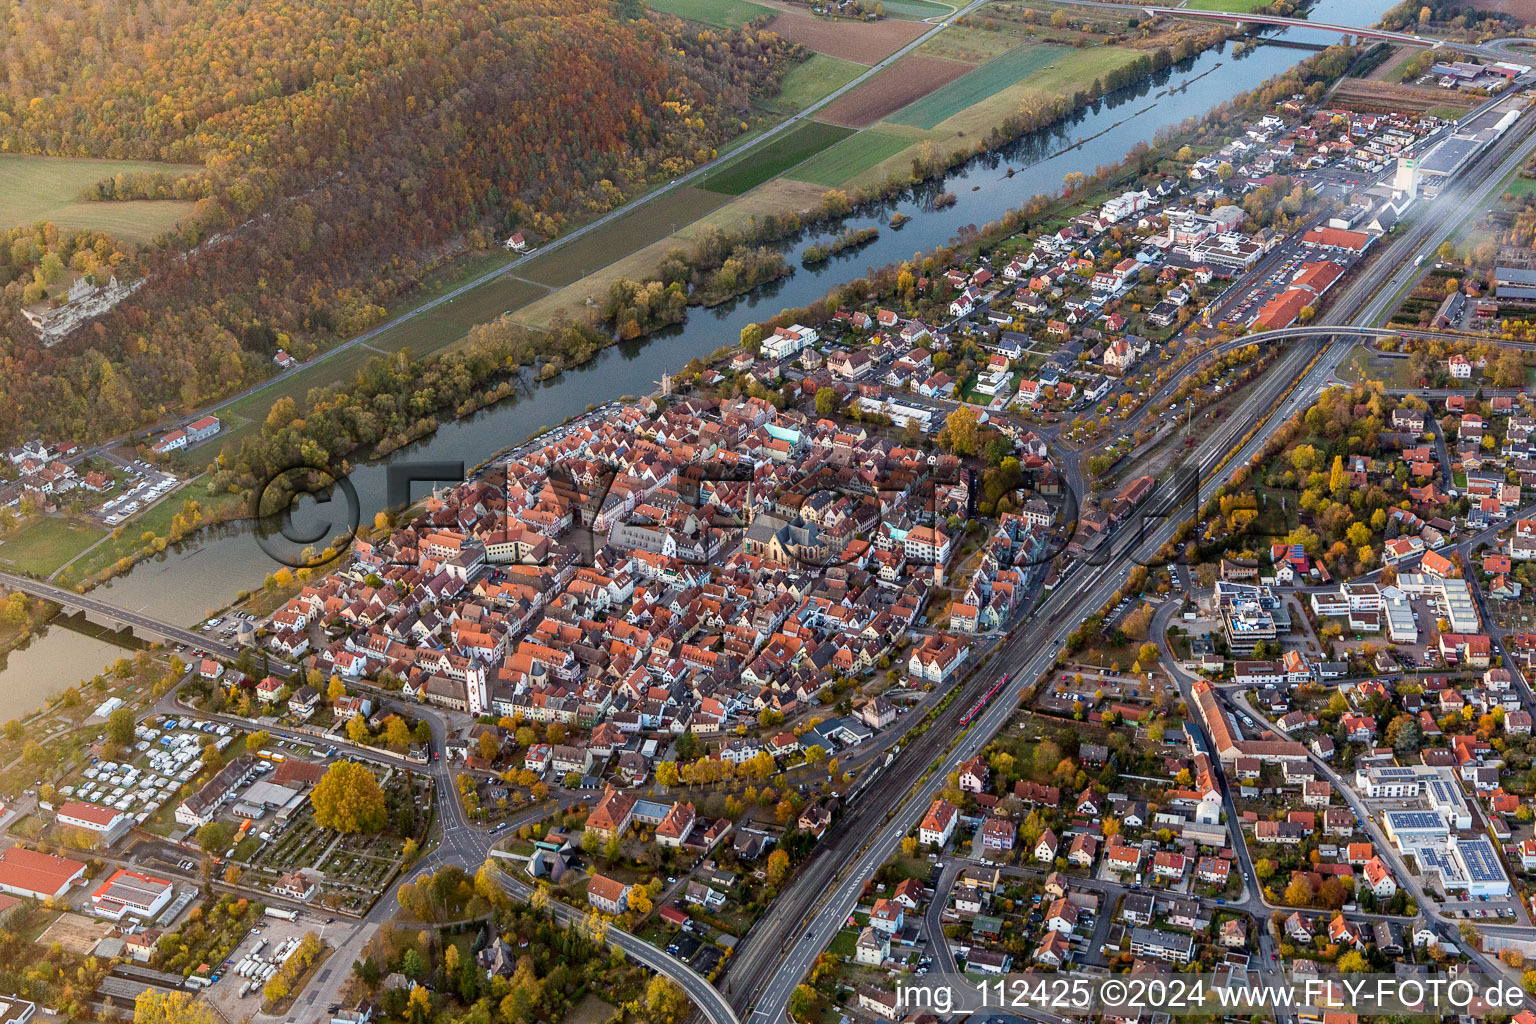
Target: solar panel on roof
1414 820
1479 857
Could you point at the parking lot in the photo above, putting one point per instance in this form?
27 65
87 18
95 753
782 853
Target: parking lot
269 933
227 626
1260 291
145 486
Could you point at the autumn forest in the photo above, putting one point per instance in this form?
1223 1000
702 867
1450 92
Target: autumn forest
342 149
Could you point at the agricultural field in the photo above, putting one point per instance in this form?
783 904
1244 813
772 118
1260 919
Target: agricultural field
34 188
1365 94
442 327
1069 72
919 9
850 157
722 13
973 44
775 196
863 42
979 84
1235 6
654 219
810 81
910 79
46 543
449 322
774 158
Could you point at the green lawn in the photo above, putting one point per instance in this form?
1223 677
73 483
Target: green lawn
844 943
851 156
985 81
724 13
34 188
1521 187
156 520
1363 364
808 82
1448 112
47 543
766 162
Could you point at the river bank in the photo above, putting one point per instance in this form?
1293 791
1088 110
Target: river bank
202 573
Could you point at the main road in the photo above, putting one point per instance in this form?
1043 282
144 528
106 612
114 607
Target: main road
1493 48
801 923
705 997
107 614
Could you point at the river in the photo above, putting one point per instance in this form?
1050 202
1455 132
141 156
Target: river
191 579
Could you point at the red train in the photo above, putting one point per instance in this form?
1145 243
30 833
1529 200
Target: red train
976 708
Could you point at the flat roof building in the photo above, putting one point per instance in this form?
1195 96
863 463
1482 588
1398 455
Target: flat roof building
1175 947
130 893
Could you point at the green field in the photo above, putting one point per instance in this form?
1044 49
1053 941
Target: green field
1521 187
916 9
1363 364
1069 72
47 543
985 81
1448 112
622 235
973 44
766 162
849 157
1235 6
724 13
808 82
156 520
34 188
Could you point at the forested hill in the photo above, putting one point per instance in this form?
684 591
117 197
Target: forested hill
344 144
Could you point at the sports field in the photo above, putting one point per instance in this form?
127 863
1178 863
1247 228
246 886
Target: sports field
808 82
724 13
34 188
774 158
987 80
836 165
